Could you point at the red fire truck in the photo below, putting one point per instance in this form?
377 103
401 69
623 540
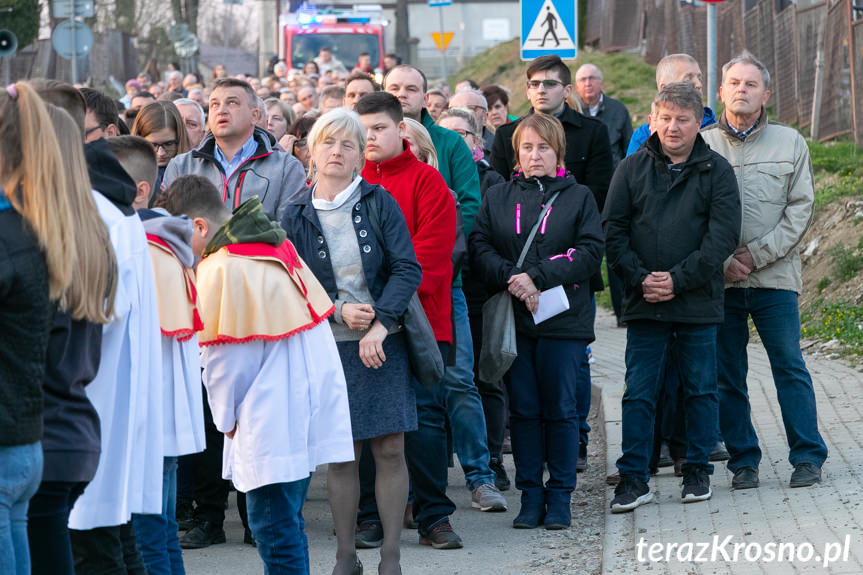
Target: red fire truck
348 33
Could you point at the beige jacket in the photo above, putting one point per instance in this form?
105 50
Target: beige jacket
774 174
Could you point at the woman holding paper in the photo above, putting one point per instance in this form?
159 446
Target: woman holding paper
545 214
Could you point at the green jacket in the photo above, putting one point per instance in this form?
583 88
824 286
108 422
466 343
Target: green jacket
456 165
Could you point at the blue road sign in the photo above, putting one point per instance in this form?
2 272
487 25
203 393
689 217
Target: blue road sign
72 39
433 3
549 27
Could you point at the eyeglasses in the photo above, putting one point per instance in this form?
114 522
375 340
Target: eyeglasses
301 143
547 84
91 130
464 133
169 147
476 109
586 79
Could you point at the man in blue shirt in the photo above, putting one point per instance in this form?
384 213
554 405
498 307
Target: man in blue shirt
673 68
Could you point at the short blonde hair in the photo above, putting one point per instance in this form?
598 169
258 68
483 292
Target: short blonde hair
423 142
337 121
548 128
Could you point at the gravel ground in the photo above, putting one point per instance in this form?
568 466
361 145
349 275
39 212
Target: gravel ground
492 546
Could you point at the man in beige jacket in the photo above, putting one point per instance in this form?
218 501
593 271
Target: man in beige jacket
763 278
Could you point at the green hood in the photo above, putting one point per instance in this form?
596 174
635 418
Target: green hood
248 225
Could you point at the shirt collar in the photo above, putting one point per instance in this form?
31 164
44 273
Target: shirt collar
594 110
241 156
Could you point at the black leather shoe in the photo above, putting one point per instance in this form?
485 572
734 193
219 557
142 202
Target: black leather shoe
203 535
185 518
745 478
248 539
501 480
805 474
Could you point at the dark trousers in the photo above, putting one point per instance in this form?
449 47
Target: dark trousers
544 414
107 551
203 473
615 290
492 394
47 527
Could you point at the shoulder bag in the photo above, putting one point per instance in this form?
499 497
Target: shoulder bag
498 321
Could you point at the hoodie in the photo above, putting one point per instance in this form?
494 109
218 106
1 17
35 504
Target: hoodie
108 177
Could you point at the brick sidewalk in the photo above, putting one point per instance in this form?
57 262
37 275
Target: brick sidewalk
819 515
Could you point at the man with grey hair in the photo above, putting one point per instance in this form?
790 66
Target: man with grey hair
589 85
673 68
475 101
673 284
763 278
193 118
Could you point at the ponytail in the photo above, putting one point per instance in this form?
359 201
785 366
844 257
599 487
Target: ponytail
31 168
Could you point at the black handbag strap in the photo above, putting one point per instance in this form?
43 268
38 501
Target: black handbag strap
535 228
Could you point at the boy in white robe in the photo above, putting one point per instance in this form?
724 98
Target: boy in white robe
271 366
169 240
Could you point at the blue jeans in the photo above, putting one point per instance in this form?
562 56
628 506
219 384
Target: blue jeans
20 474
156 535
464 404
277 524
776 317
543 422
647 348
582 389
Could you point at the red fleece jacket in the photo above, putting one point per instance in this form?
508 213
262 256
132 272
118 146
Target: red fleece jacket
429 210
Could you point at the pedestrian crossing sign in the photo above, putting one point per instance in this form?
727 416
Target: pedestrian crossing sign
549 27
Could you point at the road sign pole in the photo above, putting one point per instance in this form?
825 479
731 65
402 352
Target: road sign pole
74 61
442 52
711 56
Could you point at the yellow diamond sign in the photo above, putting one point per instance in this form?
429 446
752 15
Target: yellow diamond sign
442 39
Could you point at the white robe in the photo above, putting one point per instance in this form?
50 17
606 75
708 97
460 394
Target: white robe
127 391
183 411
289 402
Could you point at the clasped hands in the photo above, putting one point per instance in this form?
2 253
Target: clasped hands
361 316
741 265
522 287
657 287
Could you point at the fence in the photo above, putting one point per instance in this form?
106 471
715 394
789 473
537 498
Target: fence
112 60
791 41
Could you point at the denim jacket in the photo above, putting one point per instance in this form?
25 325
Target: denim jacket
392 272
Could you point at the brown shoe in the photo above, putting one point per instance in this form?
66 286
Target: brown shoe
678 466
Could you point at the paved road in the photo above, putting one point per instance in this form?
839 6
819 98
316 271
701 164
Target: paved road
820 515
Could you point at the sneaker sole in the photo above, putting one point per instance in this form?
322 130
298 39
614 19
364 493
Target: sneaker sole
804 483
747 485
363 544
643 499
447 545
492 508
690 498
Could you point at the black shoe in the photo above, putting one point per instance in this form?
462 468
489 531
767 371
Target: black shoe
696 485
204 534
441 536
665 459
621 323
745 478
581 462
358 566
805 474
369 535
247 537
501 480
719 452
629 494
185 518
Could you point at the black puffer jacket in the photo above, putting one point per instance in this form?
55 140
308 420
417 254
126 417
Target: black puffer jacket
685 222
567 249
25 317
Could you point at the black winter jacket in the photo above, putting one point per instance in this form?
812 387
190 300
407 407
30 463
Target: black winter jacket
25 316
588 158
567 249
685 222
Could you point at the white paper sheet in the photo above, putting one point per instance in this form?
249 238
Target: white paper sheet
551 303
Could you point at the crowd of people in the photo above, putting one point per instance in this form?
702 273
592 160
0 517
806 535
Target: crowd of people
207 285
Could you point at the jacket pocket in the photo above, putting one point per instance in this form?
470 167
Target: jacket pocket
772 185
